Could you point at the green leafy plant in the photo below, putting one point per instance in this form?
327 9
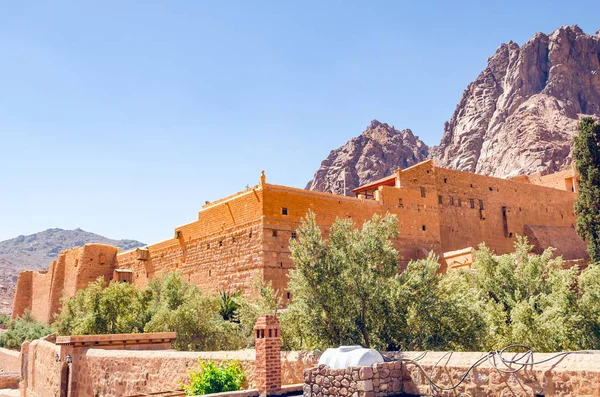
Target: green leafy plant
22 329
210 378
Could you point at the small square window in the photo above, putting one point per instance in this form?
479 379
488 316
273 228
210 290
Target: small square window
423 227
284 211
445 180
294 235
400 203
274 233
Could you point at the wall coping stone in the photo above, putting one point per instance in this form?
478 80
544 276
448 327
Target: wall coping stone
112 339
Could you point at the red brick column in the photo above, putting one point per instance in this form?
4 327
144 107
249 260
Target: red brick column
267 333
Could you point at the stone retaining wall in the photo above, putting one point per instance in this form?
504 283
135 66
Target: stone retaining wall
572 375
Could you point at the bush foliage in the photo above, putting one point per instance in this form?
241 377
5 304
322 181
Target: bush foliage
168 304
22 329
210 378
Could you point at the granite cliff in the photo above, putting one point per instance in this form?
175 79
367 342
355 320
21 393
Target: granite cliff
377 152
518 117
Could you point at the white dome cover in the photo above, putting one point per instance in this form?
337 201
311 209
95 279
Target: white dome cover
350 356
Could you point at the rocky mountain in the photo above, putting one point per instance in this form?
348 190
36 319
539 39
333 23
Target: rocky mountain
37 251
519 116
374 154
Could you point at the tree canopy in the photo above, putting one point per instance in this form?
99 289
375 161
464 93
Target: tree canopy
587 161
347 290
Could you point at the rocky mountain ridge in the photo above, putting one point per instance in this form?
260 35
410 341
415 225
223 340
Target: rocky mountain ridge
377 152
517 117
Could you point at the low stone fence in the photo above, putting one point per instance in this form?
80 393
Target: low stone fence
9 360
139 364
571 375
128 372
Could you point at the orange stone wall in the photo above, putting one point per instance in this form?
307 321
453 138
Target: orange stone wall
525 204
40 291
222 250
246 236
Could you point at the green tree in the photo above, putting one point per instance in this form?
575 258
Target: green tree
531 299
175 305
102 309
265 300
340 287
587 162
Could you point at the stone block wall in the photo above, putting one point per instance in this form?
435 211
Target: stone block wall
572 375
41 291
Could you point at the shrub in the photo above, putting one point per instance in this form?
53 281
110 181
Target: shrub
228 376
178 306
22 329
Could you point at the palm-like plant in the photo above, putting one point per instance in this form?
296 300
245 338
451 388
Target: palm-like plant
229 306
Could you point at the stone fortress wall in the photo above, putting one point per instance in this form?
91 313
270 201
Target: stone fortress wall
246 235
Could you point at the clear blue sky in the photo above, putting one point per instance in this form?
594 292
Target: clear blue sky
122 118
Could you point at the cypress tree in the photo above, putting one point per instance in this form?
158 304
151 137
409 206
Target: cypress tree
587 207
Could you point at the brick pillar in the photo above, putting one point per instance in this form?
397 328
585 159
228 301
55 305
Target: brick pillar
267 333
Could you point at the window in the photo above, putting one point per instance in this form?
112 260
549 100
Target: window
440 199
423 227
294 235
220 243
233 239
400 203
208 246
284 211
250 234
422 191
289 296
472 202
280 264
459 202
274 233
451 200
445 180
481 205
177 233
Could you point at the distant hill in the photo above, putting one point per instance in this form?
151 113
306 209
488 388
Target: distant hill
37 251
